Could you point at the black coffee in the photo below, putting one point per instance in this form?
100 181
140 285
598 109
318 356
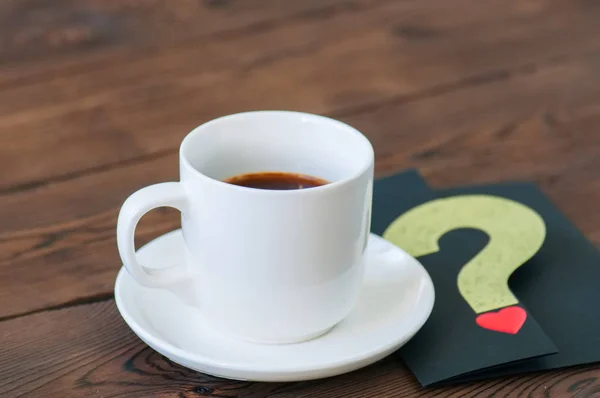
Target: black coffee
276 181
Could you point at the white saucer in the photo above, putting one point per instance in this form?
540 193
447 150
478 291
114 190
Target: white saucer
396 300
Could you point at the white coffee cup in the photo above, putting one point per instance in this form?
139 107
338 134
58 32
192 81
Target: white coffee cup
268 266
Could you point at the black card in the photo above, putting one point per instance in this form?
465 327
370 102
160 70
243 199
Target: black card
460 339
394 195
560 285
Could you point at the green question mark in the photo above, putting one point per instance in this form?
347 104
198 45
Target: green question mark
516 233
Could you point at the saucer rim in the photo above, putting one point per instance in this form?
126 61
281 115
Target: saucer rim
417 319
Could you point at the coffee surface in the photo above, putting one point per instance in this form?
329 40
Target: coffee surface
279 181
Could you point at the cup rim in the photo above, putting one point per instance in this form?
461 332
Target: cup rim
369 164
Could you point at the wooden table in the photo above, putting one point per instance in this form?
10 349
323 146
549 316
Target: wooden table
96 95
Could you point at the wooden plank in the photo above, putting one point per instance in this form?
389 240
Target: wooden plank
143 103
37 31
77 264
97 355
76 258
482 132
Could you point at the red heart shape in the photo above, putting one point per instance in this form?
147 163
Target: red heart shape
507 320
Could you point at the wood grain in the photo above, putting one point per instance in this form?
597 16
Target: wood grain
52 268
59 30
138 104
97 355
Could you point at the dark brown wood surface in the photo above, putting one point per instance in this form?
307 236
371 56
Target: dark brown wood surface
96 95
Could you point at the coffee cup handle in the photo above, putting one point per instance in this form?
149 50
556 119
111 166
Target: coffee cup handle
170 194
